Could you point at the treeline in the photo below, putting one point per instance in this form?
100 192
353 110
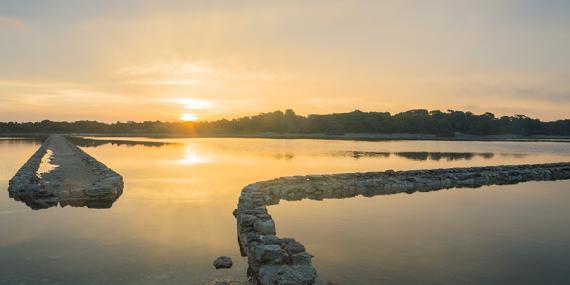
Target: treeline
410 122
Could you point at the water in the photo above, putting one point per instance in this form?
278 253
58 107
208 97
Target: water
174 217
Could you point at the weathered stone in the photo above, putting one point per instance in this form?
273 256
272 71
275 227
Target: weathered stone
223 262
302 258
77 179
221 282
284 261
266 227
270 254
247 220
287 275
293 247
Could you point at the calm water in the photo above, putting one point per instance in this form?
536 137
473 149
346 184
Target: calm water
175 216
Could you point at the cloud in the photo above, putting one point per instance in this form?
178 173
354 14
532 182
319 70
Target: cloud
33 84
187 75
12 23
313 56
174 82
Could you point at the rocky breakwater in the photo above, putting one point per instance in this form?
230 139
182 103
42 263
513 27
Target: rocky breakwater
274 260
76 178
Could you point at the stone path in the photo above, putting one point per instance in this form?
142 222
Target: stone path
273 260
73 178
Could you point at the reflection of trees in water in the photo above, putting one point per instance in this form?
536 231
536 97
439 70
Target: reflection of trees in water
21 141
411 155
421 156
449 156
284 156
85 142
514 155
359 154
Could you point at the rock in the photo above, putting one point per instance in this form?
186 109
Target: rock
287 275
223 262
270 254
221 282
266 227
246 221
301 259
294 247
273 260
75 180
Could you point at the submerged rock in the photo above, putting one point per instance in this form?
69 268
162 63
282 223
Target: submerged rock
223 262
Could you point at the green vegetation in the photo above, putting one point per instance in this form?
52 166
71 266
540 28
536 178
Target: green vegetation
410 122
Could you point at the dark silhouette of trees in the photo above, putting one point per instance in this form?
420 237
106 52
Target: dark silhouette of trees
418 121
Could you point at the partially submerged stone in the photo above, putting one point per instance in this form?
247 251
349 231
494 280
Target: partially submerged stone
75 178
222 282
273 260
287 275
223 262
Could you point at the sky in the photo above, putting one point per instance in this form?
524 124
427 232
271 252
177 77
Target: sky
173 60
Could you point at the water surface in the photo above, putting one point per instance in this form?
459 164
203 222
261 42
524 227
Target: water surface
175 217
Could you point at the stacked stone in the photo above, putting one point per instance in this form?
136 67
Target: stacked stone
274 260
346 185
26 180
44 192
109 184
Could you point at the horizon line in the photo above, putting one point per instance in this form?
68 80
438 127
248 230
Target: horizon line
284 111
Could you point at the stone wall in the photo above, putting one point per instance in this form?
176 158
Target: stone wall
274 260
104 187
109 184
27 176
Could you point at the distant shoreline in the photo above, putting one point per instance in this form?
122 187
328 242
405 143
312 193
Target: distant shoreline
353 137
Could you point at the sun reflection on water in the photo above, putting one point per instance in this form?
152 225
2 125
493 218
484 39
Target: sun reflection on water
192 156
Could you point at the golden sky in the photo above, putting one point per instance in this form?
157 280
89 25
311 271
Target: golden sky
167 60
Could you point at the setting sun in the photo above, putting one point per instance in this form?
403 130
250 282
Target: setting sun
188 117
237 140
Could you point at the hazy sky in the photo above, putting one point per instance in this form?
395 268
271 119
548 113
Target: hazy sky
147 60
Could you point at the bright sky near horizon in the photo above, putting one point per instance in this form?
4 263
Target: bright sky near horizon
169 60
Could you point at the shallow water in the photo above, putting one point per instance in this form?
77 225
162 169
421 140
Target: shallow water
174 217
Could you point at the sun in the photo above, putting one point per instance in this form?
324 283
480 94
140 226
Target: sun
188 117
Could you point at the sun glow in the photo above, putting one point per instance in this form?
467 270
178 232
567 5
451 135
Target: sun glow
188 117
192 156
195 104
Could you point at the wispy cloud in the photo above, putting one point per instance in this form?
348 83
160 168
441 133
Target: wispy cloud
12 23
189 74
173 82
34 84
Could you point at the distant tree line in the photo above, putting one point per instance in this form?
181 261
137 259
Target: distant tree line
410 122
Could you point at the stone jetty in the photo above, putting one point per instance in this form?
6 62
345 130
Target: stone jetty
72 178
274 260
